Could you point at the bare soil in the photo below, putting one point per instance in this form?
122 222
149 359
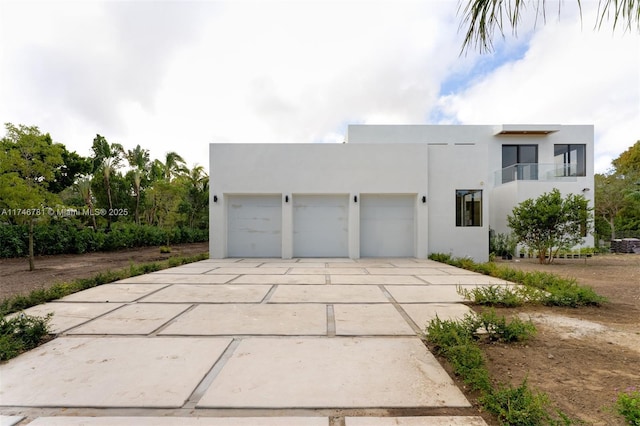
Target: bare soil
581 358
15 277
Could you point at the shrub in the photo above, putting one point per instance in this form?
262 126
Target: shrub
518 406
553 290
628 406
21 333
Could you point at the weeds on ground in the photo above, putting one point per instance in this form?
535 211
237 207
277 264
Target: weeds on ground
57 291
539 287
628 406
457 342
21 333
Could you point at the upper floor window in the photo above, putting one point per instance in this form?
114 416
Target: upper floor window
519 162
469 207
570 159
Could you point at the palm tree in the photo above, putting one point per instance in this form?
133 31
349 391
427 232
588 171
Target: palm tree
483 16
138 159
174 165
84 188
107 157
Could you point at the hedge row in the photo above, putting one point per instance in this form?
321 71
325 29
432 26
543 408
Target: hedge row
63 237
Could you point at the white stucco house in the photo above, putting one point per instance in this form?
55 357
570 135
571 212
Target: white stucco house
389 190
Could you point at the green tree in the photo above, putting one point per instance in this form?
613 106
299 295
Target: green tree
28 164
196 201
481 18
139 161
107 158
174 165
550 223
628 163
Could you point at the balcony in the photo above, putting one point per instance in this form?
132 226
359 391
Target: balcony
536 171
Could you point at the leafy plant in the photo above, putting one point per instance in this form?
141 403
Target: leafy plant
540 287
518 406
628 405
21 333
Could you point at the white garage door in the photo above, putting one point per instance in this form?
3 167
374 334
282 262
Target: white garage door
254 226
387 225
320 225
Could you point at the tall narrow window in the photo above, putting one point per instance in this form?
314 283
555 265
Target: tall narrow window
570 159
469 207
519 162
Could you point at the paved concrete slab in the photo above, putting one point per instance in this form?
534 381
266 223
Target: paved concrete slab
200 269
374 279
280 279
332 372
359 264
334 270
425 293
179 279
326 260
462 279
197 293
404 271
328 294
109 372
416 421
140 318
294 265
251 319
252 271
114 293
68 315
423 313
181 421
246 333
363 320
10 420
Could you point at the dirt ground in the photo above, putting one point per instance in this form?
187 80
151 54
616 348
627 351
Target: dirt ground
15 277
580 357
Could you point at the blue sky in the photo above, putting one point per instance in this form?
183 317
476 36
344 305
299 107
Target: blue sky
180 75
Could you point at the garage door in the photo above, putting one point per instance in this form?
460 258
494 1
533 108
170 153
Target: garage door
387 225
320 225
254 226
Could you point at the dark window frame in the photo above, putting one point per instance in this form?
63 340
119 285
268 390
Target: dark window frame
469 210
564 168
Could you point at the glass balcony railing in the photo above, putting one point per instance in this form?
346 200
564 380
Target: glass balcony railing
536 171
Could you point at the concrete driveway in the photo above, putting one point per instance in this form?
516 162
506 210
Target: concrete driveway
247 342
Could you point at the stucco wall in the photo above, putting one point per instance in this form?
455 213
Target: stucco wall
290 169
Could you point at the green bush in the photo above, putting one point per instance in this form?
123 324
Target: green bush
68 236
628 405
21 333
554 290
457 341
518 406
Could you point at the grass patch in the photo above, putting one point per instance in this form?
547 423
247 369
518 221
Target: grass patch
21 333
538 287
628 406
457 342
37 297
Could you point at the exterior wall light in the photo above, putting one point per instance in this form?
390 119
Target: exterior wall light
424 199
286 198
215 198
355 198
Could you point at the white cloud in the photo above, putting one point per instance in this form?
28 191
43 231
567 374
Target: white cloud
180 75
568 75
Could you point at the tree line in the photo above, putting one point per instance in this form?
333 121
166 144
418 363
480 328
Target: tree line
112 191
617 197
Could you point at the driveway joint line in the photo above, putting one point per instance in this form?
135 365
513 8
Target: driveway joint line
267 296
331 321
401 311
172 320
211 375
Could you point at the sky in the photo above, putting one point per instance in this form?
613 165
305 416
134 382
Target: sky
177 76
